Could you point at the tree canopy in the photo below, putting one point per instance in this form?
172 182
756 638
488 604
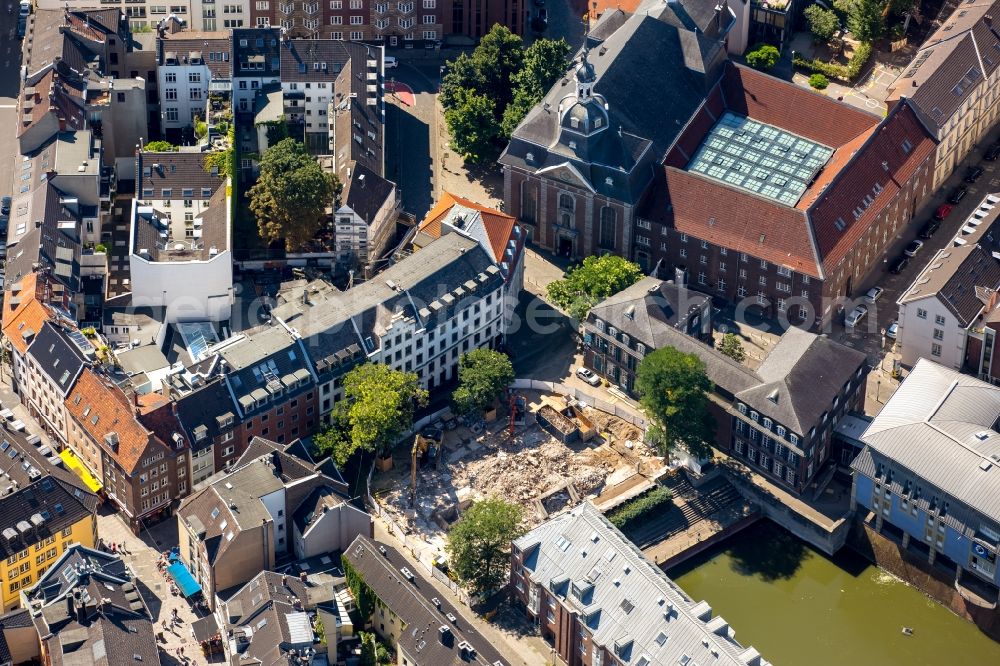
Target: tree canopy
159 147
731 346
479 543
673 390
823 23
500 77
483 374
291 195
865 18
763 57
376 410
592 281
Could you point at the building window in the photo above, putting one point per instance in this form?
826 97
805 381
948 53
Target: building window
936 350
921 313
939 320
566 203
608 227
938 334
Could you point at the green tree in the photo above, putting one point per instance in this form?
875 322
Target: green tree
498 57
200 128
292 194
673 390
377 409
159 147
369 649
731 346
763 57
819 82
462 75
479 543
544 62
473 126
592 281
823 23
865 18
483 374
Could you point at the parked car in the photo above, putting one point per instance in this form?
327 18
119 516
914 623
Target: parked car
5 206
992 153
914 247
930 229
874 294
892 331
957 195
898 266
588 376
856 316
389 62
973 174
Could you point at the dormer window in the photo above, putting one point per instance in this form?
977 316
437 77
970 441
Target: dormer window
609 181
574 123
742 408
600 324
530 157
572 145
597 122
754 416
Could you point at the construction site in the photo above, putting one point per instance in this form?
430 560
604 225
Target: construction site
551 456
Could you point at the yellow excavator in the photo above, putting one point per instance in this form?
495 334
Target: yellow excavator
426 450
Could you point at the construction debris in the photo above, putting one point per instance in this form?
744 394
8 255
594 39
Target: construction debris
543 473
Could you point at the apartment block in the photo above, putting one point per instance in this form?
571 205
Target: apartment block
419 315
243 521
927 477
952 83
597 600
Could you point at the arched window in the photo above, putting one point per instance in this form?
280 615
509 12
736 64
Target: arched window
608 227
529 203
566 203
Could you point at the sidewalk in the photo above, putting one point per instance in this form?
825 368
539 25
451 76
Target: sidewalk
142 557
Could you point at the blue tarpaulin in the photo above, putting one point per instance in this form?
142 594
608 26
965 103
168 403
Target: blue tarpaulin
185 581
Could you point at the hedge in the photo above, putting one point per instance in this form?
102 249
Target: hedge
847 72
639 507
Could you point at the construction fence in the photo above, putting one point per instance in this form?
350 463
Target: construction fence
626 413
419 548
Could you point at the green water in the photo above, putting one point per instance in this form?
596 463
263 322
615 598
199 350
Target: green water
800 608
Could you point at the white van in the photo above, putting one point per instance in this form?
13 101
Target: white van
389 62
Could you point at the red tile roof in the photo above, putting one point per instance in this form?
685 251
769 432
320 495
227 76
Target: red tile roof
877 170
498 225
793 108
27 314
100 408
741 221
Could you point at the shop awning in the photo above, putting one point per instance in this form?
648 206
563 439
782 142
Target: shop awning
185 581
75 464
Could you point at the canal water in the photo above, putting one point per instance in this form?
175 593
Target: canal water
800 608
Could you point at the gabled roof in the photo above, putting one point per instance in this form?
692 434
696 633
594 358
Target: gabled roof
964 277
57 356
26 319
492 227
177 171
105 414
624 599
210 44
366 192
959 56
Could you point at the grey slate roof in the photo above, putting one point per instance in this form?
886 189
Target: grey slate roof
110 637
654 71
206 406
366 192
801 377
269 610
940 425
211 45
176 171
335 323
412 602
964 278
795 384
57 356
951 62
631 599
